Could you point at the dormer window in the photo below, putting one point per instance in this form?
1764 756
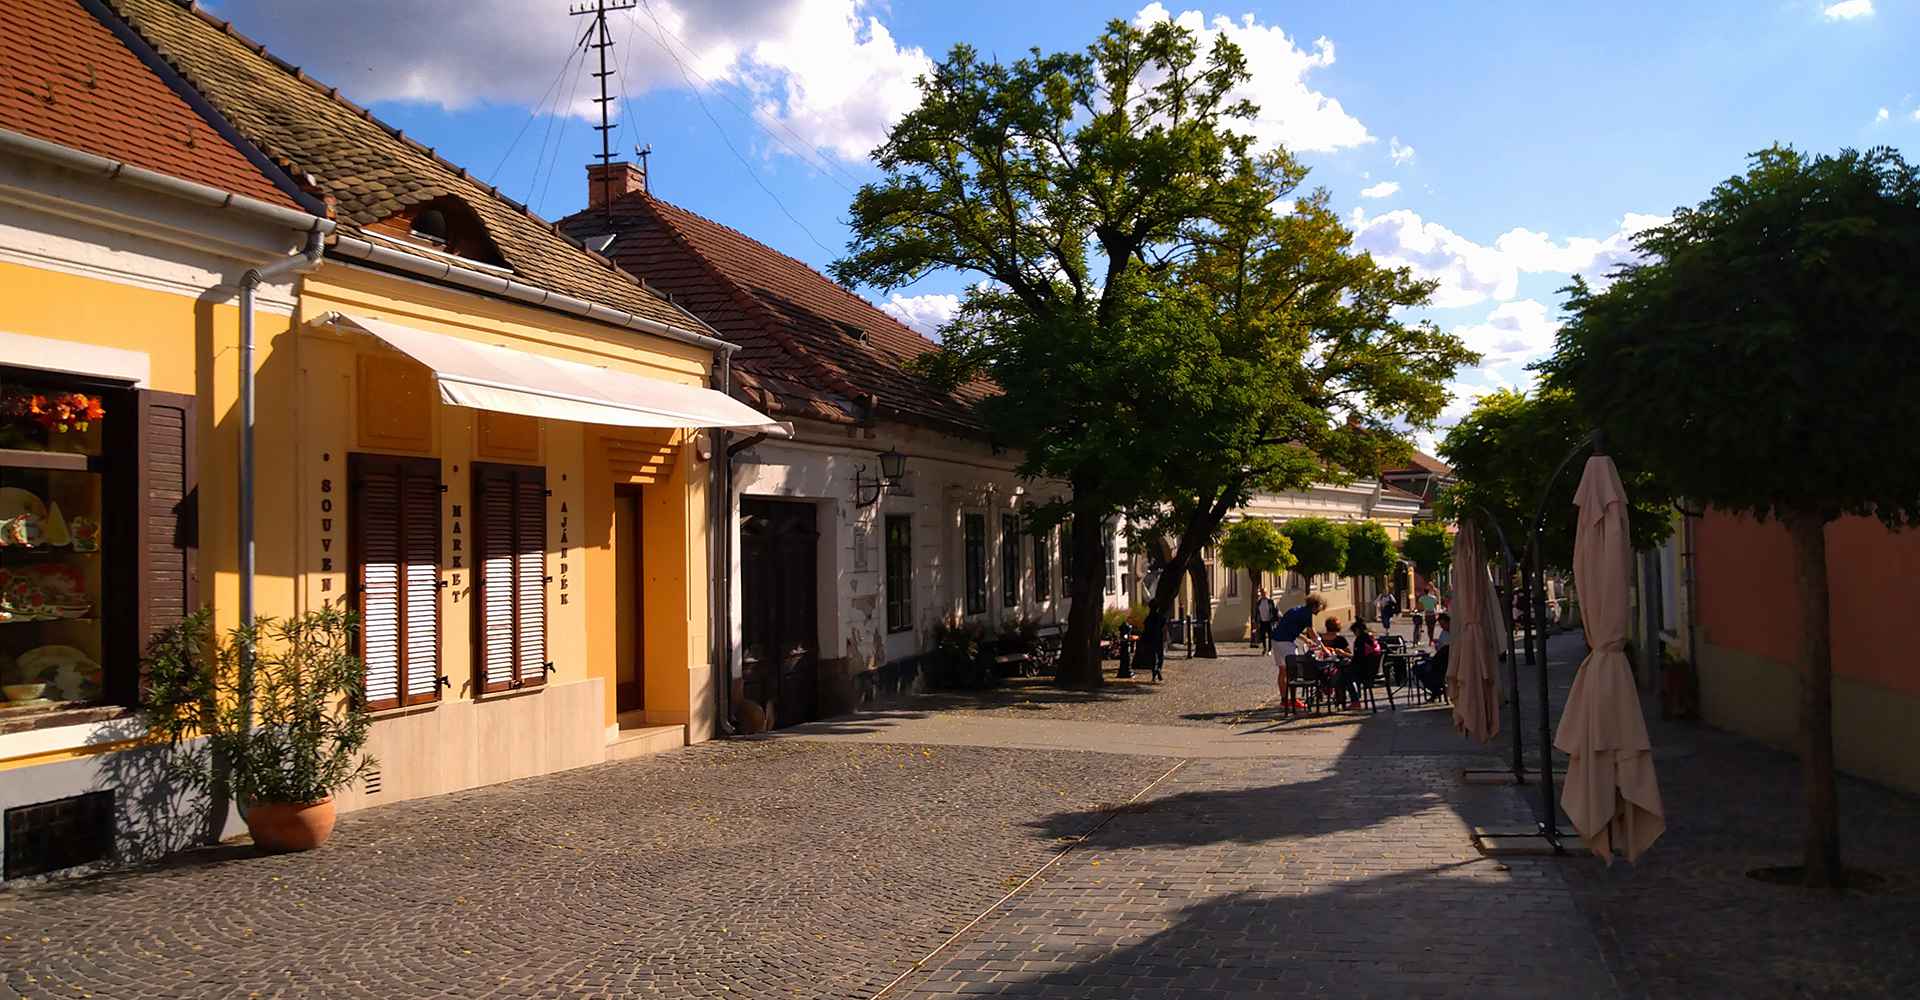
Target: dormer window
446 224
431 225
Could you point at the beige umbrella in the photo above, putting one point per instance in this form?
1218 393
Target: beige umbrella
1473 648
1611 793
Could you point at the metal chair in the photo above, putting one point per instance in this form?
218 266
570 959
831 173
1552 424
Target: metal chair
1368 675
1303 679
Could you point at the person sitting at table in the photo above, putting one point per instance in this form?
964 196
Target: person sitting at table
1432 671
1331 636
1334 669
1364 664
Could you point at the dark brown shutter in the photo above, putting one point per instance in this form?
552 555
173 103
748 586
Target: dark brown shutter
394 550
510 603
168 522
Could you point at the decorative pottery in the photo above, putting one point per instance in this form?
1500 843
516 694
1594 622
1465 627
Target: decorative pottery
290 826
86 533
56 528
24 692
15 501
69 674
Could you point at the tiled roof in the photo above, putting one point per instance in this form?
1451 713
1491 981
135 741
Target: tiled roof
368 168
1388 489
815 349
65 78
1423 463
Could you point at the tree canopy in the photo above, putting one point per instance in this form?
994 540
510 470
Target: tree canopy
1427 547
1319 546
1762 359
1257 546
1169 323
1504 451
1370 550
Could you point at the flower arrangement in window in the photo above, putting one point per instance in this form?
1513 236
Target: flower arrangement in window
33 418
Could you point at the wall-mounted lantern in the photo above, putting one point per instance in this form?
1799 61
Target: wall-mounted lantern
893 468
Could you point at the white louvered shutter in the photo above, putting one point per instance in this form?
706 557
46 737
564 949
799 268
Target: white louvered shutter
420 520
376 526
493 610
530 575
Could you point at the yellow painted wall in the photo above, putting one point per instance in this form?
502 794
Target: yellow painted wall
315 407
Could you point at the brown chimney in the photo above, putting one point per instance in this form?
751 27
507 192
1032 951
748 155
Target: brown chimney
612 182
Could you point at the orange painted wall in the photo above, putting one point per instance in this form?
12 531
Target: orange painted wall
1749 602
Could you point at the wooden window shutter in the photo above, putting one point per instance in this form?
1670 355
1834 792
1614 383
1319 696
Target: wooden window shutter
510 604
159 489
394 538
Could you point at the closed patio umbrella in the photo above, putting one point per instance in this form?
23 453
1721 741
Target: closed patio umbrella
1611 793
1474 649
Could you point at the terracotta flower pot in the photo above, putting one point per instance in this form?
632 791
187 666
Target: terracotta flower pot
290 826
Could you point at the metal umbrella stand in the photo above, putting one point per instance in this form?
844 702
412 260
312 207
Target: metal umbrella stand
1534 581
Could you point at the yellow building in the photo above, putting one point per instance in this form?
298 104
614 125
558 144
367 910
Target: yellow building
480 436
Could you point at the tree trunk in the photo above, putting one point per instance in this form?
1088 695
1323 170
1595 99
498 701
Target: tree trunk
1822 860
1080 648
1202 609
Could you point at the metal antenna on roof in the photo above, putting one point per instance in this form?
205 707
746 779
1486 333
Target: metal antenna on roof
646 169
602 41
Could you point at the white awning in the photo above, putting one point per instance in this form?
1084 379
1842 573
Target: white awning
491 377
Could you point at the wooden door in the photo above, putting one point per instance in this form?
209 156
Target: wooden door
779 627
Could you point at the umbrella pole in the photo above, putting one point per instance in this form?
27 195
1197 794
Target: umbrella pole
1505 596
1550 809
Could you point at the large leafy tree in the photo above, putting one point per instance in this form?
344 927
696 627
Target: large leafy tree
1504 452
1059 178
1256 546
1762 360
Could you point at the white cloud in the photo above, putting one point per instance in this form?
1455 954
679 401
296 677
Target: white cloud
1291 112
926 314
1514 331
1400 154
1880 116
1916 114
1470 272
1380 190
827 69
1847 10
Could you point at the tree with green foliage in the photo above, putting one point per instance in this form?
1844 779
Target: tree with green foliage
1504 451
1162 338
1256 546
1762 360
1059 179
1428 547
1319 546
1371 553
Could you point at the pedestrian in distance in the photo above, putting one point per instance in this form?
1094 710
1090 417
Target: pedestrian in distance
1429 607
1264 612
1386 607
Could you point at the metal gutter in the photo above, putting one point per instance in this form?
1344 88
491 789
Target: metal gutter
348 247
189 191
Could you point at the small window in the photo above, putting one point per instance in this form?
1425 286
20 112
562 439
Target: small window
431 225
1106 557
899 544
510 576
393 527
1066 555
1009 561
975 537
1232 581
1042 566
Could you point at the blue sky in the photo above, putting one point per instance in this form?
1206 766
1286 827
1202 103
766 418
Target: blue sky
1505 145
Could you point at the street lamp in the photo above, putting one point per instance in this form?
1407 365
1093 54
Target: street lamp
893 469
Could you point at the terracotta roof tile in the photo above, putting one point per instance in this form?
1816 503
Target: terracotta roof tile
819 349
66 78
368 167
1422 462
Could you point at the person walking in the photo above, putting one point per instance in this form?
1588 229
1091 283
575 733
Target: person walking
1264 612
1386 607
1429 607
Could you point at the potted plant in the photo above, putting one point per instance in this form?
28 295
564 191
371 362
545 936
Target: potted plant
273 716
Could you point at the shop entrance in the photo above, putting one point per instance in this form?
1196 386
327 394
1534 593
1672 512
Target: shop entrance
779 627
630 652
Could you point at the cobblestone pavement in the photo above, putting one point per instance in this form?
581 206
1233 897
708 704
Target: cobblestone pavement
1687 921
738 869
1196 692
1348 877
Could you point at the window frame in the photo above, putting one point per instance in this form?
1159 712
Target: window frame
1010 569
404 468
1109 553
481 472
1042 568
899 575
973 561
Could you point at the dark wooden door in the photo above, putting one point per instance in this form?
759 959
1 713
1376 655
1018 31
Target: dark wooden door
779 628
